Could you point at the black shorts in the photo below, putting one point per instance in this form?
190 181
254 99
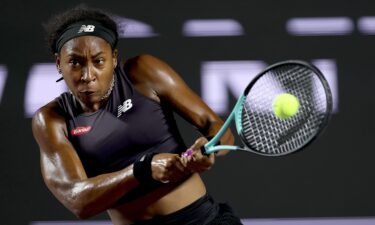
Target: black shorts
204 211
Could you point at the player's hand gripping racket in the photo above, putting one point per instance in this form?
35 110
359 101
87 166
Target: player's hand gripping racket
282 110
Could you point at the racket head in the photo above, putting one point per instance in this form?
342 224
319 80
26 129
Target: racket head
261 131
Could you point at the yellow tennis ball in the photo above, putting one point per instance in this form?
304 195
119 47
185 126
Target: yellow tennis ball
285 106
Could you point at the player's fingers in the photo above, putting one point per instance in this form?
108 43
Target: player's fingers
184 160
182 168
198 144
211 157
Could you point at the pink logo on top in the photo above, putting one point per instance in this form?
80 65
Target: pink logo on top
80 130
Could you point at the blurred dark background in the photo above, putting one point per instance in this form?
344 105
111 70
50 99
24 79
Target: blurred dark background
333 177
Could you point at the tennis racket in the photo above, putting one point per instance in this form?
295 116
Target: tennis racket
264 133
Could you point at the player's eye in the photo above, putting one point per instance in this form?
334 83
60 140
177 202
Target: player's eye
100 61
74 62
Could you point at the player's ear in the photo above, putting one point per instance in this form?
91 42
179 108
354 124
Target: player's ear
57 61
114 57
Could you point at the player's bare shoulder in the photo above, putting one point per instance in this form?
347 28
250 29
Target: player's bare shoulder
143 68
153 73
150 75
47 118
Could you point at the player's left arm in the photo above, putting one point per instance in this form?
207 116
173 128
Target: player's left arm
168 86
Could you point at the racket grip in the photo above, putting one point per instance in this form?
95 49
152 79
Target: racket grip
203 150
189 152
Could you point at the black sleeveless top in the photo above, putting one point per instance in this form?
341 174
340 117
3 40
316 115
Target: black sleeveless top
126 127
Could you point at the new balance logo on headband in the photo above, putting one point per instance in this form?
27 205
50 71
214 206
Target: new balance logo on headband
88 28
124 107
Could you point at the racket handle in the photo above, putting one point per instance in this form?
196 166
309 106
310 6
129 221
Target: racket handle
203 150
189 152
214 149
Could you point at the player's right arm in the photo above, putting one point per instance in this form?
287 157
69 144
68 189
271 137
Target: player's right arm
64 174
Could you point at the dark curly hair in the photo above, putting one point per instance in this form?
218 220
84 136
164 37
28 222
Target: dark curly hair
59 22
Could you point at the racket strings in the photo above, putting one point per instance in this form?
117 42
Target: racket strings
262 131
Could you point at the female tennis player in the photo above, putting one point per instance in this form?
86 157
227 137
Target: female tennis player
111 143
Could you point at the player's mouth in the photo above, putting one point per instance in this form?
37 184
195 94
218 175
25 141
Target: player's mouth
87 93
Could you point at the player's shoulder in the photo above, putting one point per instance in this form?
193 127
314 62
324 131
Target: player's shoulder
145 68
51 113
142 59
145 64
